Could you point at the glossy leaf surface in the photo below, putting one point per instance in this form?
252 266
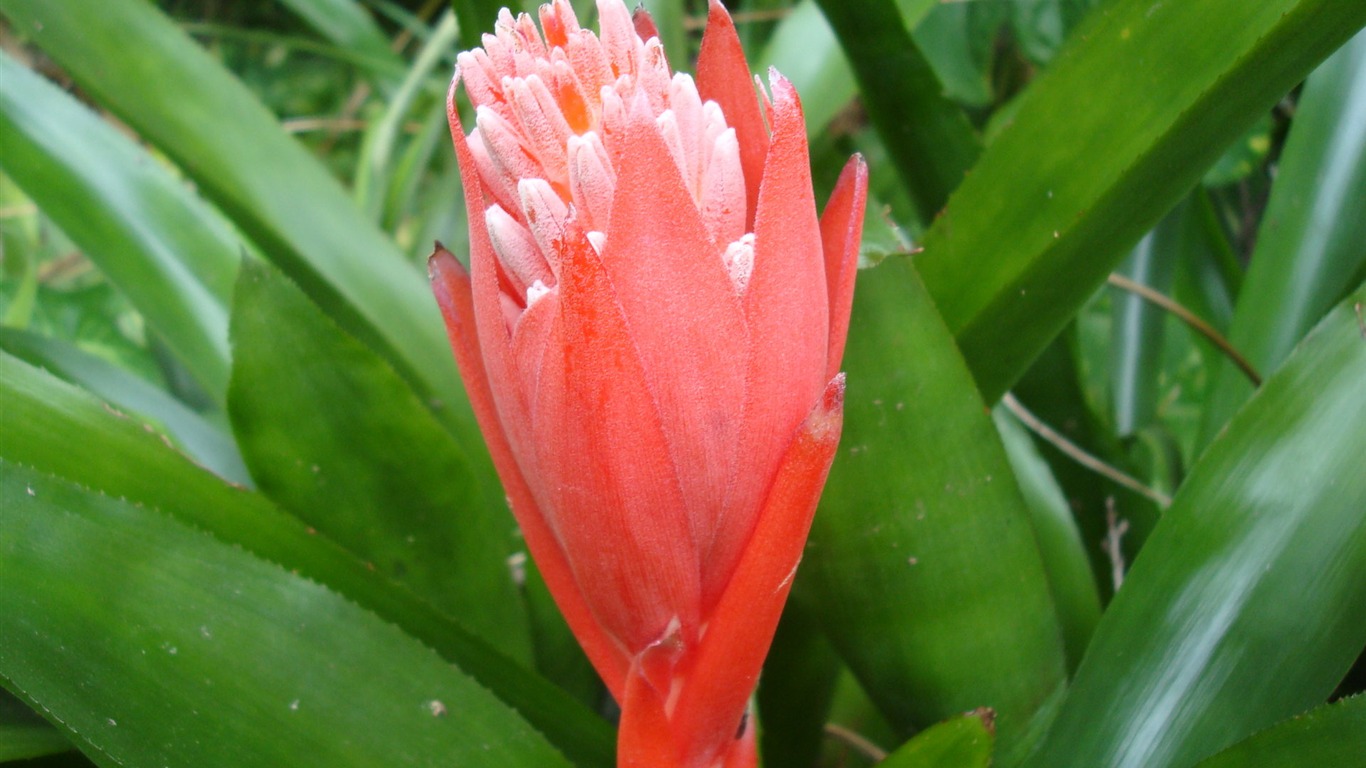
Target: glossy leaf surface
1192 654
173 256
58 429
928 137
922 556
1334 734
208 444
1052 204
184 102
335 436
209 656
1312 242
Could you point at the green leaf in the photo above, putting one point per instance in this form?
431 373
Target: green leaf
959 41
1309 246
183 101
335 436
1144 97
796 688
805 50
930 140
347 24
24 735
963 742
922 556
375 169
1334 734
59 429
476 18
153 644
1243 606
207 444
166 250
1136 331
1070 579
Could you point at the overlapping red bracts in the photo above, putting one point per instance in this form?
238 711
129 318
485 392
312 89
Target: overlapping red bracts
650 333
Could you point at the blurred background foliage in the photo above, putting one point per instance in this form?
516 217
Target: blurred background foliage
214 217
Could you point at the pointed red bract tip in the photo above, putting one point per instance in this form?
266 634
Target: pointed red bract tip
645 23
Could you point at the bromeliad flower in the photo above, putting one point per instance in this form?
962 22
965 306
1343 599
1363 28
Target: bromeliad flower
650 333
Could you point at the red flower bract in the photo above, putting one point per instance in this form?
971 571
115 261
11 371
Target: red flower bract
650 333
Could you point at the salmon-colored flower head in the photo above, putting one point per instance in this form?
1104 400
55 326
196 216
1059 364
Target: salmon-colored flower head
650 333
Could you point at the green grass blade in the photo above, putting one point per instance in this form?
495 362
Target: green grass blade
922 558
1312 241
1244 606
346 24
375 169
1143 99
171 255
209 656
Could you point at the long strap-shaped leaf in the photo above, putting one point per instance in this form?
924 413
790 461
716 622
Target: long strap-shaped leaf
1334 734
180 99
1118 128
1312 240
163 247
928 137
923 556
1245 605
155 644
58 429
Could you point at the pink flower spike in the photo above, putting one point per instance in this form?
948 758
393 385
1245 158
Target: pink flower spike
649 332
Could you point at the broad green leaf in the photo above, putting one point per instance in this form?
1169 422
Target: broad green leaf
1070 579
1312 240
1143 98
929 138
58 429
1334 734
209 445
922 557
1243 608
164 248
963 742
335 436
24 735
152 643
184 102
